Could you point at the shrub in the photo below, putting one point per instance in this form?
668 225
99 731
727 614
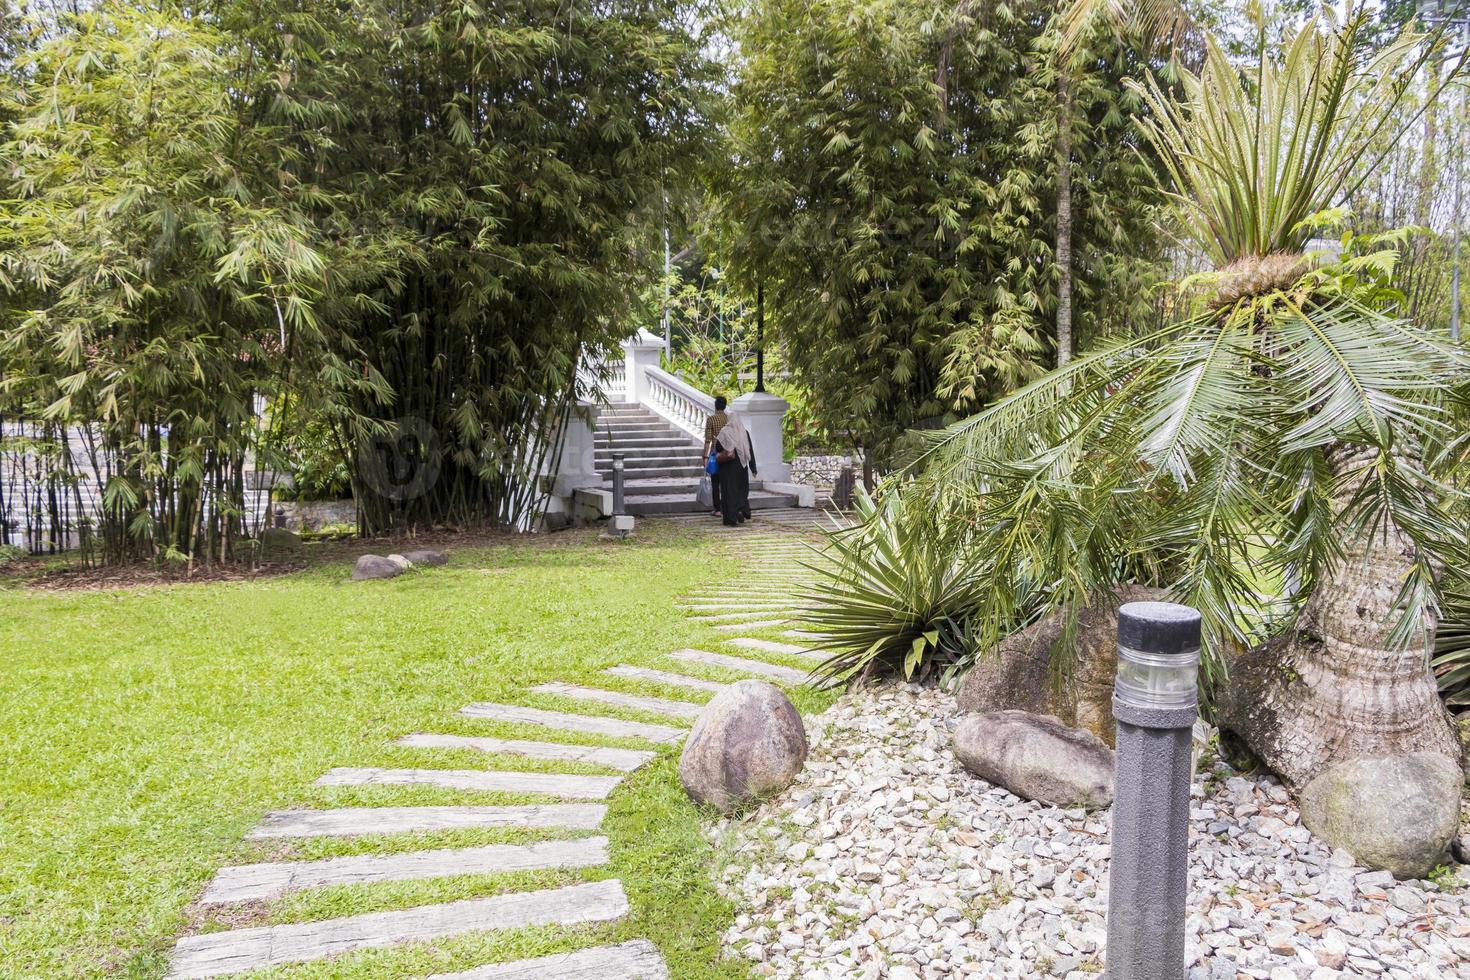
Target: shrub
897 597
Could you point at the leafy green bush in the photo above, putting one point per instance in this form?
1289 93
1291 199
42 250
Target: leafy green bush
897 597
10 554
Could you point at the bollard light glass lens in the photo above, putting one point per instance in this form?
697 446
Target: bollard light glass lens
1156 680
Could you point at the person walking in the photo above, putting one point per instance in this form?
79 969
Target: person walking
712 427
736 459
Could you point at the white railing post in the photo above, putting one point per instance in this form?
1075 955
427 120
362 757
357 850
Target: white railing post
763 413
640 352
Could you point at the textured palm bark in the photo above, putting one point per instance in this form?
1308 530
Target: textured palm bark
1333 688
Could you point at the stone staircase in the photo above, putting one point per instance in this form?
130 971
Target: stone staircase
661 465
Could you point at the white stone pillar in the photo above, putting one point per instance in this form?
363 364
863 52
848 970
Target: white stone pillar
578 464
763 413
640 352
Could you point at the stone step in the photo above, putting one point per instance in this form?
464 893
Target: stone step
690 473
674 504
771 646
235 950
582 724
607 445
638 959
786 675
665 455
758 624
259 882
358 821
617 699
664 677
625 759
726 617
486 781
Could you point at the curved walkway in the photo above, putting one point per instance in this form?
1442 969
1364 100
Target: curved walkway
773 547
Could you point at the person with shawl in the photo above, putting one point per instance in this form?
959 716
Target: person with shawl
736 459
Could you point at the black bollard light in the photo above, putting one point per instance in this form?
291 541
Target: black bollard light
1155 703
617 485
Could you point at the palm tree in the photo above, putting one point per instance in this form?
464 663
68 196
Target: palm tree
1280 456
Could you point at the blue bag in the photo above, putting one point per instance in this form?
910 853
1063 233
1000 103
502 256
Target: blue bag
710 466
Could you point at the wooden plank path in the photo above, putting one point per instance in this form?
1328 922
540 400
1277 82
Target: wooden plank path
358 821
254 882
616 699
636 960
232 951
487 781
582 724
665 677
787 675
625 759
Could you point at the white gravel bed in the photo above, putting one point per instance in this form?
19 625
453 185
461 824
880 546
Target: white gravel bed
886 859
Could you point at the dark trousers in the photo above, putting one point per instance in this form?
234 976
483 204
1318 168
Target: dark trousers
734 498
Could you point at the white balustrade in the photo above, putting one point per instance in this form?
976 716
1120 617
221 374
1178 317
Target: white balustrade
677 400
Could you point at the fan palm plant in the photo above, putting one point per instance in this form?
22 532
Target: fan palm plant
1278 456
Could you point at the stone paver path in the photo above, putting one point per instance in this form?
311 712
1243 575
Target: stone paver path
637 702
234 950
786 675
665 677
253 882
625 759
581 724
357 821
749 605
479 780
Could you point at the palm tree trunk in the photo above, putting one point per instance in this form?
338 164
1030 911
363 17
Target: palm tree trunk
1064 220
1352 724
1334 688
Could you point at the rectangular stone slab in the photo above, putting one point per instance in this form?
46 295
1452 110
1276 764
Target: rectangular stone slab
770 646
637 702
584 724
665 677
787 675
625 759
547 783
356 821
254 882
218 953
759 624
636 960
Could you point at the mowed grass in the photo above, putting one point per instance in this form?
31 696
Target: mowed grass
145 731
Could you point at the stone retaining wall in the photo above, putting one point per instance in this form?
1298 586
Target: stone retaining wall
309 515
818 471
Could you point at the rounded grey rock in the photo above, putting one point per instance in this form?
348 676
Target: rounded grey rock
1037 758
748 743
375 567
1398 813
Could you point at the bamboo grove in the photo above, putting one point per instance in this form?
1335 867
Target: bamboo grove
404 222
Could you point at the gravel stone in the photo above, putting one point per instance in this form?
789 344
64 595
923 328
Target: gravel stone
904 865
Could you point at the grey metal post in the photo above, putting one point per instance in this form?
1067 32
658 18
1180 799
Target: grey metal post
617 485
1155 704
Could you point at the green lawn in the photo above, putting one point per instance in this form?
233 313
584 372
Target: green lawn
144 731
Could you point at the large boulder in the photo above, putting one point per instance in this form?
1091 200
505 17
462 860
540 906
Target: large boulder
1018 674
1037 758
375 567
1399 813
748 743
426 557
